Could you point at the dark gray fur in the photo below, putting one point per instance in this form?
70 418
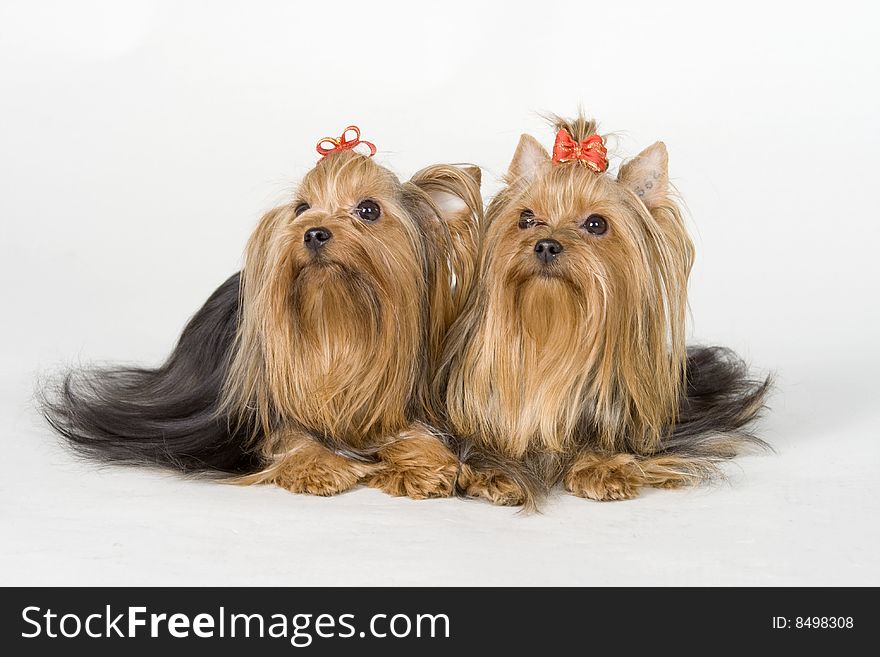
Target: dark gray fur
167 416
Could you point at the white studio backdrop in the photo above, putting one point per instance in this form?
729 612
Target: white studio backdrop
140 142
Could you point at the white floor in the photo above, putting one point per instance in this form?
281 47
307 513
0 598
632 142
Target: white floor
807 515
139 143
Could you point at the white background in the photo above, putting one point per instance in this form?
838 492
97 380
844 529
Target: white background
140 142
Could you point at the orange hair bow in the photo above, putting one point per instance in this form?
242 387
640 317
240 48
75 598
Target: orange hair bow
591 151
329 145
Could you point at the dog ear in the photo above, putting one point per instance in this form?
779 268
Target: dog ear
452 227
528 157
647 175
474 172
455 191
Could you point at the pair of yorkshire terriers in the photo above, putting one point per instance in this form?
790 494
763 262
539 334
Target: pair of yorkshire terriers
388 333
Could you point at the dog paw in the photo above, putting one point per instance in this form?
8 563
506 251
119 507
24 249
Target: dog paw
416 465
491 485
317 479
316 470
418 482
673 482
604 478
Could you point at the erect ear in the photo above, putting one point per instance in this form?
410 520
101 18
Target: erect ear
454 190
529 156
647 175
452 228
474 172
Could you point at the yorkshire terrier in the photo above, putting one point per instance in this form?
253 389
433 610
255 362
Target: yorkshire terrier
569 363
311 367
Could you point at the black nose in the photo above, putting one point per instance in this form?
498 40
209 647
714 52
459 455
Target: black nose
547 250
315 238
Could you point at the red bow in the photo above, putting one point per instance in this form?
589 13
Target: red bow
343 144
591 151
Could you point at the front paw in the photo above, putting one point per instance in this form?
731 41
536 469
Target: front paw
417 467
419 483
491 485
604 478
316 470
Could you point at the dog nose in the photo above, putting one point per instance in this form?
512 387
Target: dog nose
315 238
547 250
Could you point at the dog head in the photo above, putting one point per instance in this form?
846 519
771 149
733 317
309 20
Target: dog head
580 323
345 289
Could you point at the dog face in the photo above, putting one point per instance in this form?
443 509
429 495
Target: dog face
340 288
580 325
562 229
346 235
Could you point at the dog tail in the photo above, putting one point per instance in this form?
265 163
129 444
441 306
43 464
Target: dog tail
721 401
166 416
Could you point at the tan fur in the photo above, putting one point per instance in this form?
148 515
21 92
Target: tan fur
456 239
416 464
338 345
620 476
490 484
308 467
589 351
614 477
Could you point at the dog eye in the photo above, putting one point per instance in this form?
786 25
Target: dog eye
526 219
368 211
302 207
596 224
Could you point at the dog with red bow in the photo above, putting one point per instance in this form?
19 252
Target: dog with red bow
569 364
310 368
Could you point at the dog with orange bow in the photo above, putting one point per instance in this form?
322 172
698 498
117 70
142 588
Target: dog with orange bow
310 368
569 364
